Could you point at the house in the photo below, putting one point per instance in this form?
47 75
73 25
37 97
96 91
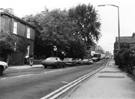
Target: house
125 41
21 29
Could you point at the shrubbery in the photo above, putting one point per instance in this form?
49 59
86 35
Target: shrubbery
125 59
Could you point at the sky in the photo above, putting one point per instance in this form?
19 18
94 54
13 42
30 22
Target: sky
108 15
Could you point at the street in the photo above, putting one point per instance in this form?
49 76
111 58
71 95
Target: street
35 83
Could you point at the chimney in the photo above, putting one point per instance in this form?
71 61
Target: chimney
133 35
7 10
10 10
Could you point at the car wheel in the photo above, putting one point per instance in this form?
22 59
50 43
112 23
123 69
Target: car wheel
1 70
64 65
56 66
45 66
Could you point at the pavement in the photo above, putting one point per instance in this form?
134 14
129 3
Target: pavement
24 66
109 83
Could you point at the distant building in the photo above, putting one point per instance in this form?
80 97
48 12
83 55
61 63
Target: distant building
96 49
99 49
107 53
21 29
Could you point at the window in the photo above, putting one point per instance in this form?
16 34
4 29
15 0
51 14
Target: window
28 32
27 53
15 28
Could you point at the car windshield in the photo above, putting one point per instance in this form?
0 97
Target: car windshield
85 60
52 58
96 55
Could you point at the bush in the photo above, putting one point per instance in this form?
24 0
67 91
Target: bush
125 59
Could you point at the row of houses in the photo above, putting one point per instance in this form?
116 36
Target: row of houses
21 29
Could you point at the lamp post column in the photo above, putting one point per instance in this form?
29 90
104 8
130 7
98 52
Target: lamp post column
118 29
118 22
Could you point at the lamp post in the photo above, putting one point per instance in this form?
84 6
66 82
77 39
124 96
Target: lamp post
55 49
118 21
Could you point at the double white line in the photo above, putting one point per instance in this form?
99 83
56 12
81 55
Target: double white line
65 88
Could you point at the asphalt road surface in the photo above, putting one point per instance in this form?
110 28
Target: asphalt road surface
35 83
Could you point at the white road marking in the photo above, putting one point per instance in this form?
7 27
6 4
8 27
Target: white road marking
37 74
55 94
63 89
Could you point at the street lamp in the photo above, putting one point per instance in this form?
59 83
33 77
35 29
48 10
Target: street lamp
55 49
118 21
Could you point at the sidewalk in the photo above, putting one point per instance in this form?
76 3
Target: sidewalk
24 66
109 83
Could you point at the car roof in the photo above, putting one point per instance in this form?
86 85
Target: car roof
53 57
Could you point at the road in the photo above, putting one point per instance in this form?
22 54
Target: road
36 83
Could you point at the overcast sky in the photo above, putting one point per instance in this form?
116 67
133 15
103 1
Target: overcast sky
108 14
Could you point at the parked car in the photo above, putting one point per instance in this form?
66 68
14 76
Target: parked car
90 61
87 61
3 66
53 61
95 59
79 61
74 61
68 61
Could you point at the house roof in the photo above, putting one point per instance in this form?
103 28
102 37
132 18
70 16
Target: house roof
17 18
127 39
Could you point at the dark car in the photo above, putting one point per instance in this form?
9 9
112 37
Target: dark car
68 61
53 61
90 61
85 61
79 61
95 59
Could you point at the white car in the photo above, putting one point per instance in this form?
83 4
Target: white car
3 66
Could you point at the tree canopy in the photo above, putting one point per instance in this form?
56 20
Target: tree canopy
87 21
7 42
71 31
10 43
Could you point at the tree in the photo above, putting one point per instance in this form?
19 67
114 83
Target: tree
10 43
66 30
7 42
54 28
88 24
77 49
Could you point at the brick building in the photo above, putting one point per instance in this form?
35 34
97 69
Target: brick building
21 29
125 41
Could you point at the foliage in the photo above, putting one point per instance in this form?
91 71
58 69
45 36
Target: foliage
61 29
77 49
125 59
87 21
22 44
7 42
